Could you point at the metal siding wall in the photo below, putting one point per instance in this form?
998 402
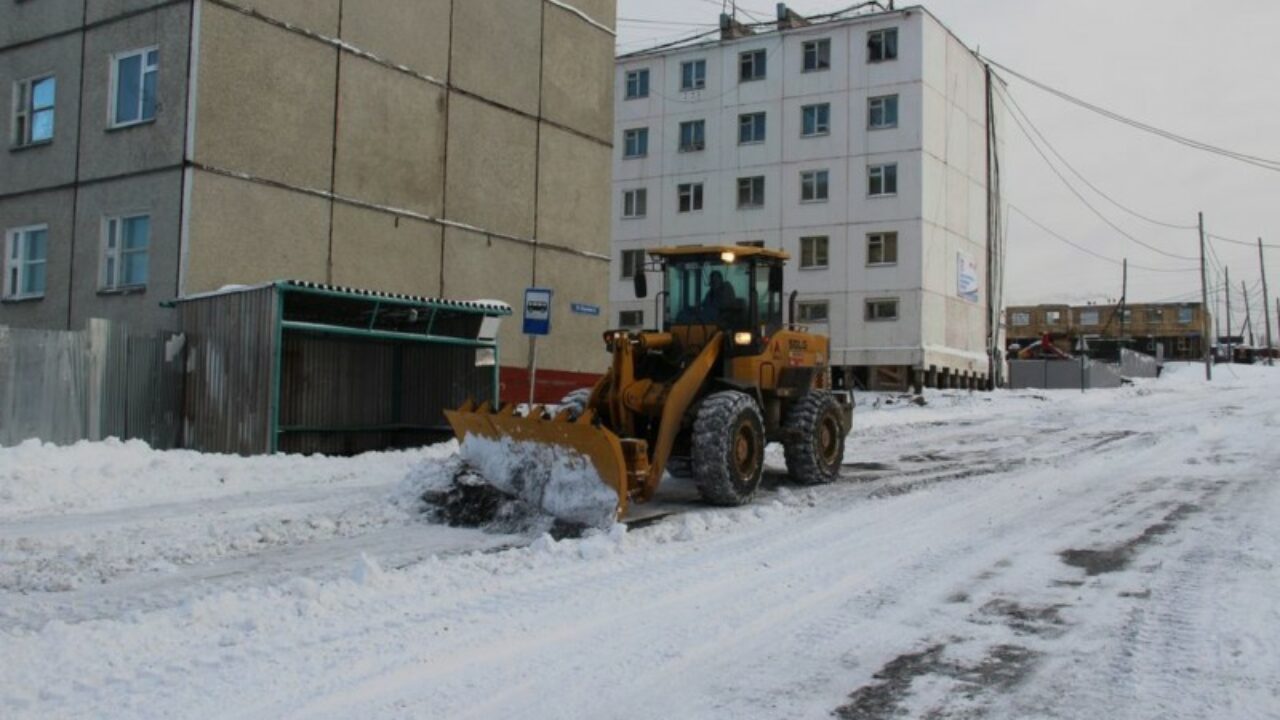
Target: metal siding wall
43 386
155 388
230 345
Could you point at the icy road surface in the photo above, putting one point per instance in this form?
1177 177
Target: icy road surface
1013 555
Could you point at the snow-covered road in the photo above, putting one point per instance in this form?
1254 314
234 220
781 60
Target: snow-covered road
1012 555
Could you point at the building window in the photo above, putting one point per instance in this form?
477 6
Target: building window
1185 316
751 243
882 179
813 186
133 86
813 252
882 45
1021 319
638 84
635 143
817 55
1183 345
815 120
25 252
1155 315
33 110
125 252
812 312
690 196
693 135
1052 317
632 262
882 112
1089 317
751 65
635 203
882 309
751 128
882 248
751 192
631 318
693 75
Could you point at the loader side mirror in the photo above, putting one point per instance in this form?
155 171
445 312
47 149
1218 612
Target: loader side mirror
642 283
775 279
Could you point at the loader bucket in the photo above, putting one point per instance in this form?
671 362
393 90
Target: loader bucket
571 469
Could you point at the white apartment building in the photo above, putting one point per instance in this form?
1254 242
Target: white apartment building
861 146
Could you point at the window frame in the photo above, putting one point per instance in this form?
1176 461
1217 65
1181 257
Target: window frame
25 110
884 110
882 239
757 121
698 79
636 75
812 243
15 238
1020 318
695 193
627 135
759 62
1052 317
804 307
114 87
1154 315
754 182
815 180
870 315
820 129
882 34
635 203
882 168
633 258
701 143
1191 316
1090 317
639 314
107 283
818 46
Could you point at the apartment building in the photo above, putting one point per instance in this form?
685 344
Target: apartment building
1178 328
859 144
160 149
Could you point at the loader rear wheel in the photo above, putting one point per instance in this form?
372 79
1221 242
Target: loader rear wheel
728 448
814 439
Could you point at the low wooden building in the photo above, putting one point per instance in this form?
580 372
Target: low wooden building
1177 327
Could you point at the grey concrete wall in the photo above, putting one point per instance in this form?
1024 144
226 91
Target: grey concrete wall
107 152
52 209
496 49
24 21
413 33
364 239
53 163
158 195
490 183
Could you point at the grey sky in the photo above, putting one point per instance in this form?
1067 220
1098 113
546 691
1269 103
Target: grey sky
1201 70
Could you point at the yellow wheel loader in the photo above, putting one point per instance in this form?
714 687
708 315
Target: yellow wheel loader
699 397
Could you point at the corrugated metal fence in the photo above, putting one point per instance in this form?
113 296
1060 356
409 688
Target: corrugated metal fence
65 386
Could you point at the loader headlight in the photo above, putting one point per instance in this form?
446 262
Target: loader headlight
742 338
728 257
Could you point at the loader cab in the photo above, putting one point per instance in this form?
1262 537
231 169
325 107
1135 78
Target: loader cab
734 289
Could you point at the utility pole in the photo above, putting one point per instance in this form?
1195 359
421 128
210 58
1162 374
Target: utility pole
1266 301
1204 310
1226 283
1248 315
1124 298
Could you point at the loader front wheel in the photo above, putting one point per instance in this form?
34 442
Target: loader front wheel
814 442
728 448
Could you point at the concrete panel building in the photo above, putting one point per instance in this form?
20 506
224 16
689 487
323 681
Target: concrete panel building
862 145
160 149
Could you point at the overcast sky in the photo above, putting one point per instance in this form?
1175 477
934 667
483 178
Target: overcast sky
1210 71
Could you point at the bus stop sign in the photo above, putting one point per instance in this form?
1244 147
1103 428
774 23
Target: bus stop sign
537 311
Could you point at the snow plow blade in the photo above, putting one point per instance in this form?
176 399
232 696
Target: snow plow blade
574 470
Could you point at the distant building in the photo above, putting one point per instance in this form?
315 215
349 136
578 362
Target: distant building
160 149
1178 327
861 145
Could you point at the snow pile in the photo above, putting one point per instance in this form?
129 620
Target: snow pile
559 481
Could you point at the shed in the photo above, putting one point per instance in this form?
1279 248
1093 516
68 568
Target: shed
302 367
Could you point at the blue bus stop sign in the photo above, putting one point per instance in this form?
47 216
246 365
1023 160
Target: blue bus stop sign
537 311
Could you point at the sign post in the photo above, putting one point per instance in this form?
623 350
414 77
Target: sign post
537 321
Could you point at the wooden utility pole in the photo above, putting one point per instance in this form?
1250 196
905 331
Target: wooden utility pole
1248 314
1226 283
1204 310
1124 297
1266 301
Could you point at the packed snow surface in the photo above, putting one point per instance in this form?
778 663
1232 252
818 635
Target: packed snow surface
1033 554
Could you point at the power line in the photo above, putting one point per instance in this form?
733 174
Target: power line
1233 241
1264 163
1084 249
1017 121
